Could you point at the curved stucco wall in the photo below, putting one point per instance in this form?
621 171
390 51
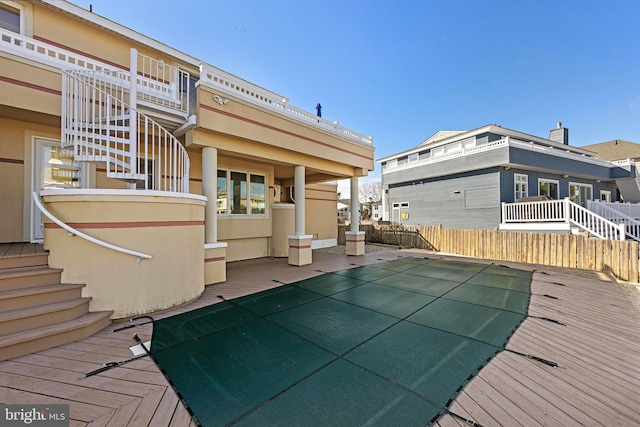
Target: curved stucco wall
167 226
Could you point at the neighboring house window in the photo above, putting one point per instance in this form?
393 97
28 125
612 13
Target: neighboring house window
392 163
241 193
548 188
580 193
10 18
413 157
400 211
521 183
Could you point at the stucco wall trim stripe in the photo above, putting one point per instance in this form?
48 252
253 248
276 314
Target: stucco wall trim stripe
216 259
30 85
295 135
129 224
16 161
300 247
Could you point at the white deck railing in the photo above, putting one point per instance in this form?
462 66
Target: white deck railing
613 212
73 231
229 84
158 83
101 126
563 211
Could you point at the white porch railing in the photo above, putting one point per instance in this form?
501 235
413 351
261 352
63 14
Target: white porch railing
157 83
613 212
563 211
101 125
232 85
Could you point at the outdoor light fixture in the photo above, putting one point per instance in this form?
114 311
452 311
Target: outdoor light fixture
564 175
220 100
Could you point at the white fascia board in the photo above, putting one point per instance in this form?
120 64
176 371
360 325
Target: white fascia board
121 30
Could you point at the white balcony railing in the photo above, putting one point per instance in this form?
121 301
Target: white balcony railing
158 83
429 158
563 211
229 84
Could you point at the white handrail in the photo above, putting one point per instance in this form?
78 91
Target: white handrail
632 225
36 200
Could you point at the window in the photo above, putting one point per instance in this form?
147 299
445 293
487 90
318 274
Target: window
238 193
521 184
10 18
221 202
548 188
258 194
413 157
580 193
605 196
241 193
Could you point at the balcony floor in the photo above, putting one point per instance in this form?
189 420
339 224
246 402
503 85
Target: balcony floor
597 381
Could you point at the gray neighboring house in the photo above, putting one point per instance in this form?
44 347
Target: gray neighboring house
459 178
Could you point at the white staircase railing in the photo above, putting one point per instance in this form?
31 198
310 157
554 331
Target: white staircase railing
563 211
73 231
101 124
609 211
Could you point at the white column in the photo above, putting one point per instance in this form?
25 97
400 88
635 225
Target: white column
355 205
210 191
133 122
299 182
354 237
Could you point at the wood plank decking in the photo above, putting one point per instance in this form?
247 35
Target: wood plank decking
597 348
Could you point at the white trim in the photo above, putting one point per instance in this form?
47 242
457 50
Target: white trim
302 237
536 226
215 245
112 192
324 243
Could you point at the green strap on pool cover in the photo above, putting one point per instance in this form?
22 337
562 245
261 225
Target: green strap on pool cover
384 344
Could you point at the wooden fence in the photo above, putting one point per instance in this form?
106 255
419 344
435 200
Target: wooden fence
562 250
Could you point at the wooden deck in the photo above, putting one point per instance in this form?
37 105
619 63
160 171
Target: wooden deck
597 348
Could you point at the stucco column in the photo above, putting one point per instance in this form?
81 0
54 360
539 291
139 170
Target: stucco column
355 237
215 253
300 243
210 191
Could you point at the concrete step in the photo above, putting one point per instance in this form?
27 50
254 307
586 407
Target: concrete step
38 339
14 299
24 319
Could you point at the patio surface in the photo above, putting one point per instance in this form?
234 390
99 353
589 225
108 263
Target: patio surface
595 344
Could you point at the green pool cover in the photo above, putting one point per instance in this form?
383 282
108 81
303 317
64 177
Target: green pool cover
384 344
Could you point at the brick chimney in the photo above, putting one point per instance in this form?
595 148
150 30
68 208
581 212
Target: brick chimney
559 134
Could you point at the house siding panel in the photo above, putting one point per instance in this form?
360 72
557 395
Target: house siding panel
476 161
532 159
468 201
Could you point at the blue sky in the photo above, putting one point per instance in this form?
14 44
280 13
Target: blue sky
402 70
